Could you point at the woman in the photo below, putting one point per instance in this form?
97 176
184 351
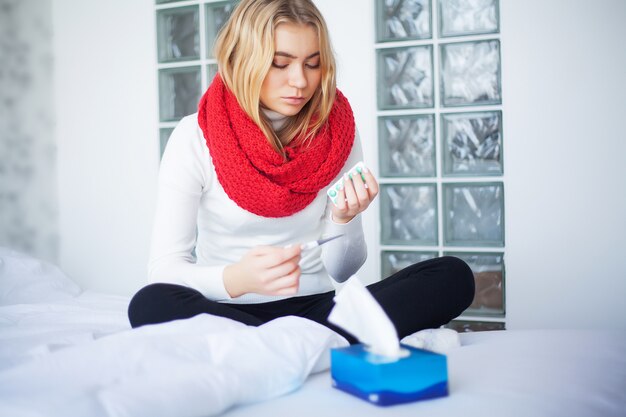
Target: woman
244 183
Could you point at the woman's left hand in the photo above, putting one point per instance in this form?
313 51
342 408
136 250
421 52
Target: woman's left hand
354 197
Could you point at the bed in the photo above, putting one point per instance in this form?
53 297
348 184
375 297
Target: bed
67 352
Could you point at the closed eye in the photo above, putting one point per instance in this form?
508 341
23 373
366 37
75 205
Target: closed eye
310 66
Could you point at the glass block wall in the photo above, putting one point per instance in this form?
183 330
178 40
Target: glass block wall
186 32
440 143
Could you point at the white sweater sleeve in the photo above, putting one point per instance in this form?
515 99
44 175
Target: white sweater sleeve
182 179
343 257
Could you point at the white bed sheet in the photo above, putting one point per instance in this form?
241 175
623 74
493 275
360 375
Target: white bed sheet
70 353
501 373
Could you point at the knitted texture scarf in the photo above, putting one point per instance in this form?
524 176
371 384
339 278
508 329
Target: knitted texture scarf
253 174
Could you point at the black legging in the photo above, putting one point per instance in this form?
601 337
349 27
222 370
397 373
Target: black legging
425 295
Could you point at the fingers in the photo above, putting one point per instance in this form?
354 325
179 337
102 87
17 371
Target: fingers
285 285
351 195
356 194
270 256
292 251
342 201
275 270
282 269
365 186
352 199
265 270
362 193
283 279
372 184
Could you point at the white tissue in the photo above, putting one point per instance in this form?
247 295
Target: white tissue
358 312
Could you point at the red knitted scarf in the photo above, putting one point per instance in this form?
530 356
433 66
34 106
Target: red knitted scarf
253 174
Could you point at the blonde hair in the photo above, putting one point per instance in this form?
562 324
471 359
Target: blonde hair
245 50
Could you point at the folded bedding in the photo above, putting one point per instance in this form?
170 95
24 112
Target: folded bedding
67 353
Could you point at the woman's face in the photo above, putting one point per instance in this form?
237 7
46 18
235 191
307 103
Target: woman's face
295 73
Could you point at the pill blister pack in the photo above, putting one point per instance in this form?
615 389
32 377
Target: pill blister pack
333 190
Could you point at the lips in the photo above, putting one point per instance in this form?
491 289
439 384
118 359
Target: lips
294 100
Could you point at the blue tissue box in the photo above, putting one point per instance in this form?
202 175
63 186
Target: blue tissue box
383 381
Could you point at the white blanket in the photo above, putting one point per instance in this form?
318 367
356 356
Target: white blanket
67 353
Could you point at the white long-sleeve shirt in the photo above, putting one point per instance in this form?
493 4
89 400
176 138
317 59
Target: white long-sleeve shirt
193 211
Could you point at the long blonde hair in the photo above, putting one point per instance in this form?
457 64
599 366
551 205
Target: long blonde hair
245 50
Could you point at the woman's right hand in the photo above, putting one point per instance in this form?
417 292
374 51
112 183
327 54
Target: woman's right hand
267 270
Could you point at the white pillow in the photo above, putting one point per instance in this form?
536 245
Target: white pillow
24 279
436 340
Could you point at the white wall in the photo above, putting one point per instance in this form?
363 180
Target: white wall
563 67
28 194
353 42
564 104
106 104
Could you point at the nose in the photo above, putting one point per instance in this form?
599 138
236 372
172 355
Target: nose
297 78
